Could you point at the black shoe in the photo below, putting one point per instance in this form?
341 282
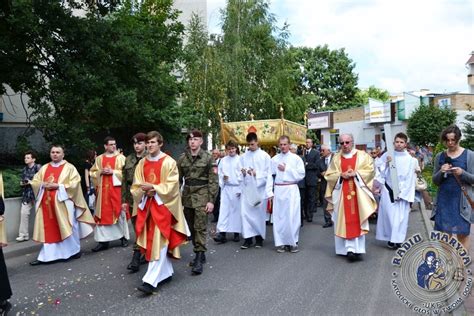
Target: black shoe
236 237
258 242
146 288
398 246
76 256
167 280
36 263
197 267
391 245
124 242
351 257
247 243
134 265
220 238
203 259
101 246
5 308
326 225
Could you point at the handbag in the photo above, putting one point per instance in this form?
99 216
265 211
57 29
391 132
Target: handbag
420 184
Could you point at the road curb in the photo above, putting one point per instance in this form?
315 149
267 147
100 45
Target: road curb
16 249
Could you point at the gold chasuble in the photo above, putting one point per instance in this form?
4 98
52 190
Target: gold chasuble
352 197
52 222
108 187
160 219
3 231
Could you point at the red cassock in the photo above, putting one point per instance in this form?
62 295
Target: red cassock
48 202
111 202
351 208
156 216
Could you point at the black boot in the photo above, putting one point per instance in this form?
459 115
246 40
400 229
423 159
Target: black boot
5 307
134 265
221 238
146 288
101 246
197 267
203 259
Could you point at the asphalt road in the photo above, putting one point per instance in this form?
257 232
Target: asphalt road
235 282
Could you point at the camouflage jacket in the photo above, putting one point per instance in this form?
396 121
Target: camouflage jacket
127 173
200 181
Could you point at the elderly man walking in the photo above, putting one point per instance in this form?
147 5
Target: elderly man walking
349 194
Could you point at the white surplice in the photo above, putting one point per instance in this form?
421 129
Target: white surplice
286 200
159 270
254 217
230 220
104 233
392 220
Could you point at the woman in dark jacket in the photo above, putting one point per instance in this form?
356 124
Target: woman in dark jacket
5 289
455 166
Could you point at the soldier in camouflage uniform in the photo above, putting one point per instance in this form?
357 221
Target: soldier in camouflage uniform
127 200
195 167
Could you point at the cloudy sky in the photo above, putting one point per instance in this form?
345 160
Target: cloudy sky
397 45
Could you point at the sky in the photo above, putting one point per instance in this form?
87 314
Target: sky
397 45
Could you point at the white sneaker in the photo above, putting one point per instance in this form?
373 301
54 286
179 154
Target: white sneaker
22 238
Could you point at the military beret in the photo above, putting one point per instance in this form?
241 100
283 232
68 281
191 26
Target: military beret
138 137
194 133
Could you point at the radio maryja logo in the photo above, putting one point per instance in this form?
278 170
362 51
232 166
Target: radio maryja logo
432 276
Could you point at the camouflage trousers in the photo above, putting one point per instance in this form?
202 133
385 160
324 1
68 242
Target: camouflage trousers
197 222
134 220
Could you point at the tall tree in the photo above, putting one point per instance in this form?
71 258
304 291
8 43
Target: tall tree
254 54
468 130
93 73
326 76
245 71
362 96
422 130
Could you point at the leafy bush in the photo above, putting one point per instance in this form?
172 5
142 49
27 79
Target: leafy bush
11 182
427 175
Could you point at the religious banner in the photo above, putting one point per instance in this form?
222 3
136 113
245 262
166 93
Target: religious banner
268 131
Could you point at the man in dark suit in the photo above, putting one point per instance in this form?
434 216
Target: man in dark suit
326 157
311 159
301 184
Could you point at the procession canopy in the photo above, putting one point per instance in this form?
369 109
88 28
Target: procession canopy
268 131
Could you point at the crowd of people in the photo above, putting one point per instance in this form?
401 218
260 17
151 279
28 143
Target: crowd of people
168 201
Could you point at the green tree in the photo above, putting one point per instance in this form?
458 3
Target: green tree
468 130
245 71
108 71
362 96
325 77
426 123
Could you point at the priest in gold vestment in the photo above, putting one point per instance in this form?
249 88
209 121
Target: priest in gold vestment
62 216
110 217
349 182
160 224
